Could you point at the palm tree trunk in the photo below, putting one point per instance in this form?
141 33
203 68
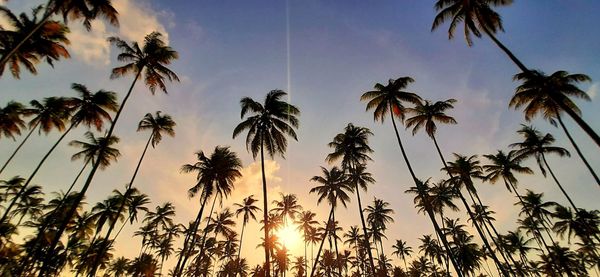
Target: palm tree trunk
562 124
514 188
470 213
364 228
13 51
88 181
337 253
24 187
582 124
205 233
240 248
126 196
447 254
19 147
558 183
265 208
427 208
191 233
512 57
316 262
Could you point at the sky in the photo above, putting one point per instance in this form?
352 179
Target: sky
325 54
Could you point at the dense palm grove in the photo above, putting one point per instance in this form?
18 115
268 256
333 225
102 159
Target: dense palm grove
46 233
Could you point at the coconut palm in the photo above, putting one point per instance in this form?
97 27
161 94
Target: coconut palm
287 207
378 216
353 240
583 224
150 60
47 41
389 99
53 113
306 224
267 125
118 267
157 124
85 10
477 16
533 205
561 260
352 147
216 175
550 96
334 187
11 120
537 145
402 251
248 209
29 204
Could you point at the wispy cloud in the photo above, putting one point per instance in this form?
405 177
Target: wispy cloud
593 90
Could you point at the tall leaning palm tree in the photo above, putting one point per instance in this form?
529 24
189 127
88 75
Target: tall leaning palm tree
150 61
536 145
89 109
402 251
48 41
267 125
157 125
477 16
352 147
86 10
11 124
216 175
248 210
389 99
333 186
550 96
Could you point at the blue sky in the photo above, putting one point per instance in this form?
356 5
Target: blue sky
337 50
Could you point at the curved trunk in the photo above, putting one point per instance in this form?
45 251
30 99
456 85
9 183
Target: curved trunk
18 147
24 187
128 192
582 124
265 208
558 183
470 213
512 57
428 209
365 234
205 233
184 255
88 181
316 262
562 124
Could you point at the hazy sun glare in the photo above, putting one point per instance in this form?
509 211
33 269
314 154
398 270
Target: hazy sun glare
289 237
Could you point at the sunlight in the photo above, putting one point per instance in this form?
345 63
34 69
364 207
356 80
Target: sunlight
289 237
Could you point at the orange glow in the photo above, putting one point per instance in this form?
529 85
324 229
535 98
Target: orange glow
289 237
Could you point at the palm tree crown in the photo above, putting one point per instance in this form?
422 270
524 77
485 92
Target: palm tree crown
158 124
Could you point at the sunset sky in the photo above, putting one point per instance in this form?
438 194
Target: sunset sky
325 54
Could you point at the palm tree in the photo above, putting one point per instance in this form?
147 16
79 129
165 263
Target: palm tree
561 260
378 216
334 187
533 205
75 9
462 171
150 60
477 16
267 125
29 204
402 251
157 125
48 40
306 224
288 207
389 99
216 172
53 112
537 146
549 96
352 147
248 209
11 120
118 267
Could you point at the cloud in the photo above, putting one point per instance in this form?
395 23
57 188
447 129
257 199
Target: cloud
593 90
251 181
136 20
90 47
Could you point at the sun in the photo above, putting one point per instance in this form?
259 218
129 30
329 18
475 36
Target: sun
289 237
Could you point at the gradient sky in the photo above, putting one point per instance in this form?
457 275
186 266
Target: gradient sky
336 51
